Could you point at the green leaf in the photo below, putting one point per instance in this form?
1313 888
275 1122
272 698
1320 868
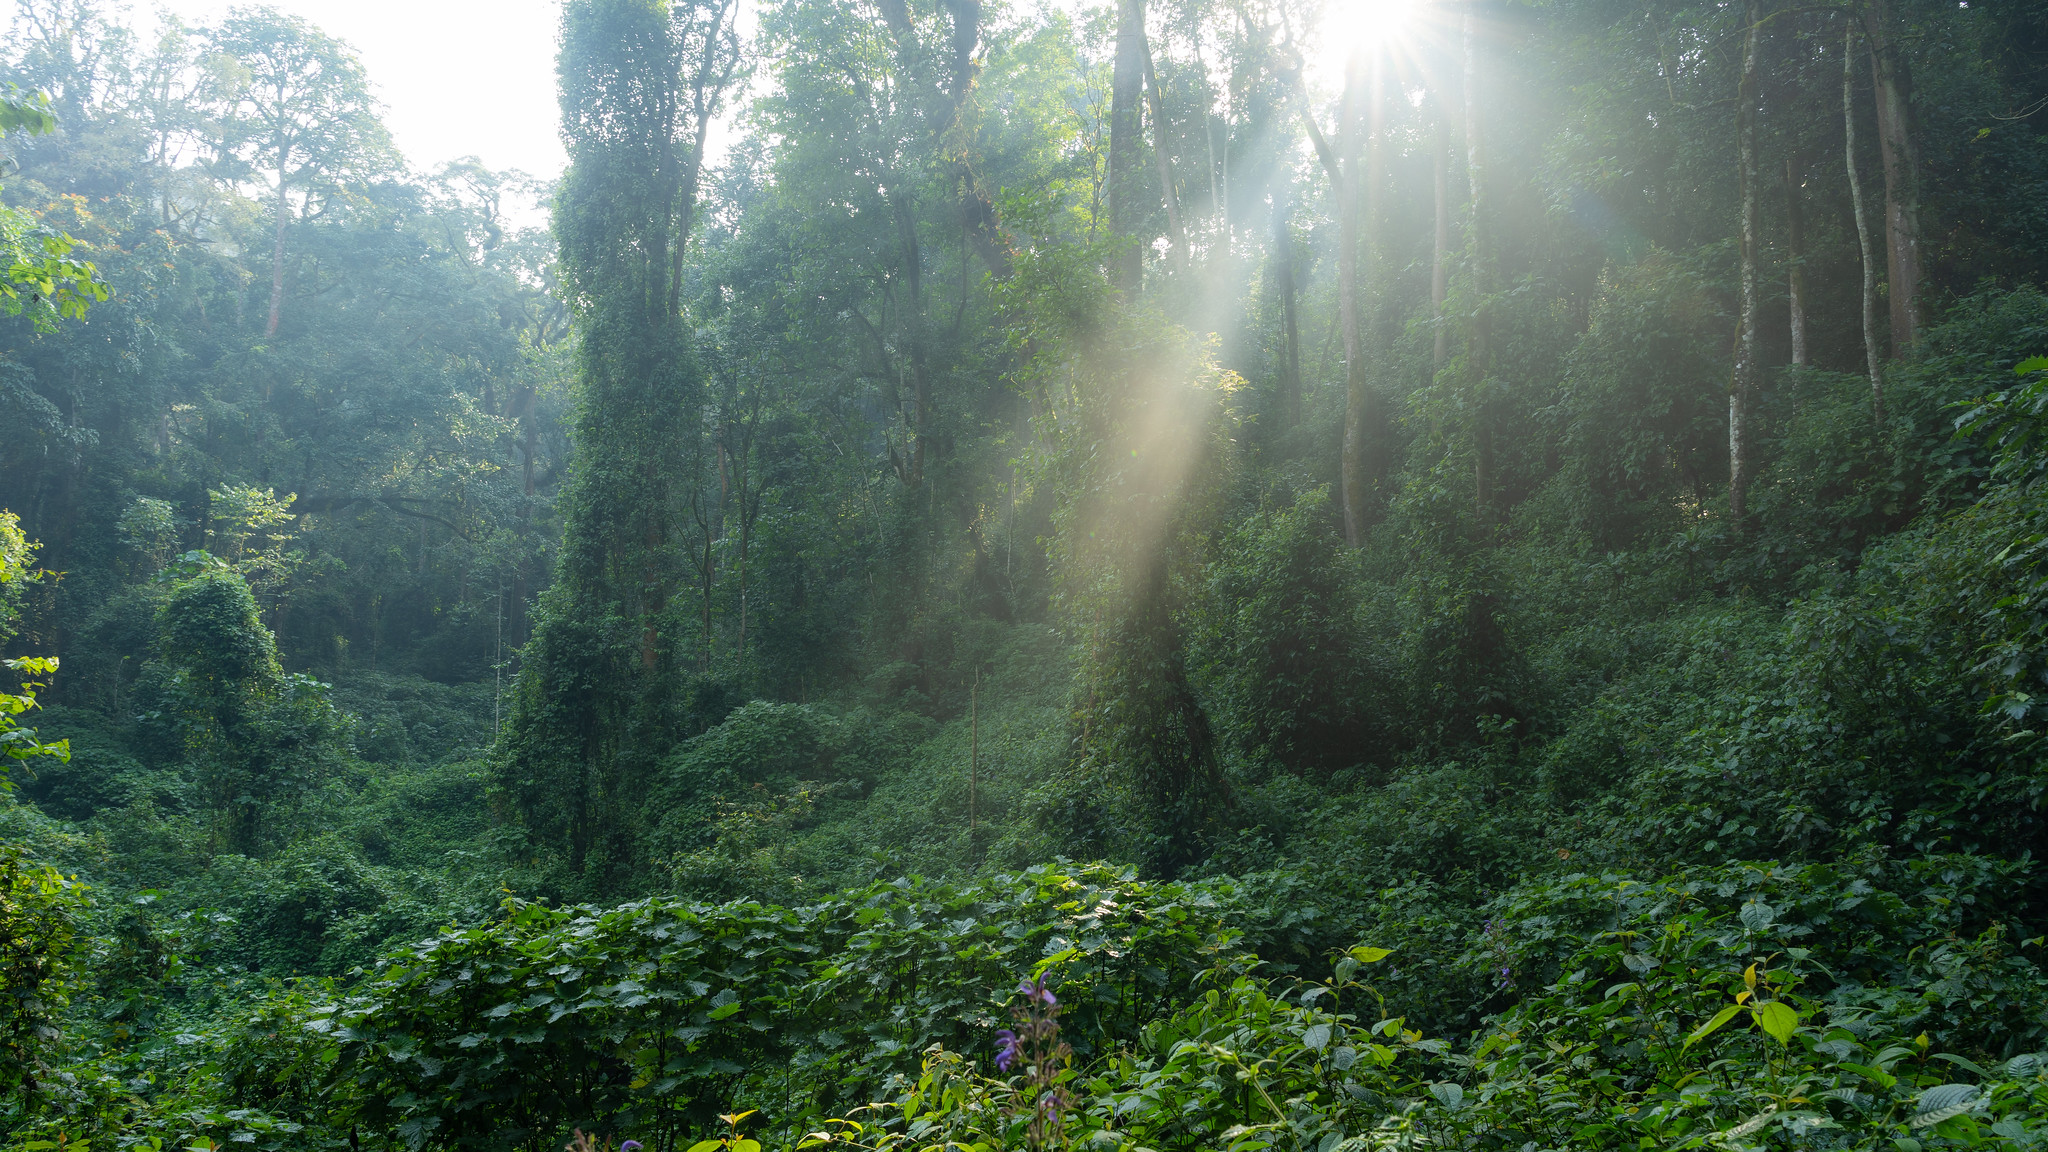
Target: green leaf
1778 1019
1317 1036
1945 1098
706 1145
1876 1076
1365 955
1752 1124
2031 365
1711 1026
1960 1062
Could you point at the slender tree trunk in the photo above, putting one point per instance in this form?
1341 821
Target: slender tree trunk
1478 347
1440 254
1218 195
1873 358
1795 276
710 576
1901 178
277 258
1742 381
1290 364
973 759
708 79
1352 463
1163 158
525 519
1371 285
914 321
1125 92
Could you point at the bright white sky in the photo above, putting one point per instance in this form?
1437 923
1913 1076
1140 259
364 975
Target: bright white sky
477 77
457 77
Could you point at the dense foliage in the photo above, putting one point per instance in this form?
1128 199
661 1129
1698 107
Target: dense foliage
1279 574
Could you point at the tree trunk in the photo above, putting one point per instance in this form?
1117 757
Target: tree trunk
1440 254
1873 358
1125 92
1371 287
1478 350
1353 460
1901 182
525 516
1795 276
915 351
277 258
1290 363
1175 233
1742 381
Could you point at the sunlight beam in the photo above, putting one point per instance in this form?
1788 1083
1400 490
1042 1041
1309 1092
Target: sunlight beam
1351 26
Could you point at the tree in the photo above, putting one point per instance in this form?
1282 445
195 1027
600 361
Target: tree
1795 257
1162 156
42 276
1479 332
1340 163
1126 120
1873 360
258 736
598 697
1900 153
300 113
1743 380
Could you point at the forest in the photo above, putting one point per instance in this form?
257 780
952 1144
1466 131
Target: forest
1314 575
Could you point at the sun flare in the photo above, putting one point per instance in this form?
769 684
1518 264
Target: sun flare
1352 26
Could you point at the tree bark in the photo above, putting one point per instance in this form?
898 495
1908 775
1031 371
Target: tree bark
1127 269
277 258
1175 233
707 79
1372 463
1341 164
1478 351
915 351
1795 276
1290 364
1440 254
1871 355
527 452
1901 183
1742 381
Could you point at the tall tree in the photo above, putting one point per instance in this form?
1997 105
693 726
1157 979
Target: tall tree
1340 163
597 699
1873 359
1901 157
1795 259
1478 347
1162 156
302 115
1742 381
1284 275
1440 237
1126 83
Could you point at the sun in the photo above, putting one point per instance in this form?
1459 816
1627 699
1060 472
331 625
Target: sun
1346 27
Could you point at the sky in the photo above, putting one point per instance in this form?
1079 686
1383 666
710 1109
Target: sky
457 77
477 77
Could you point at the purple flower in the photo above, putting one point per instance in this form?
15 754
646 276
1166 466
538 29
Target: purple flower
1037 990
1006 1049
630 1146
